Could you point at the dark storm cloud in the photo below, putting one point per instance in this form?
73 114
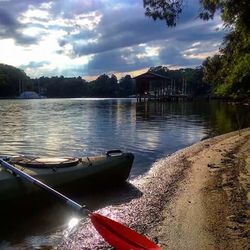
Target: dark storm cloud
126 60
172 43
122 28
128 27
172 55
68 9
119 61
17 6
119 27
113 43
11 10
10 27
74 39
6 19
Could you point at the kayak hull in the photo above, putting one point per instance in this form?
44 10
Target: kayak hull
90 171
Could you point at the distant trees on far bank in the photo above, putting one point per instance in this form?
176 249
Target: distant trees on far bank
13 81
103 86
193 78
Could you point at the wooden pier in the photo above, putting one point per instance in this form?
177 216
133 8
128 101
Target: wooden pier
154 87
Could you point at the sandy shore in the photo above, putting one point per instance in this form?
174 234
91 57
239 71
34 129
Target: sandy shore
197 198
210 209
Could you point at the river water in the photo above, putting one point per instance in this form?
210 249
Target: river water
83 127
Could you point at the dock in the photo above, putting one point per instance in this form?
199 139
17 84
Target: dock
154 87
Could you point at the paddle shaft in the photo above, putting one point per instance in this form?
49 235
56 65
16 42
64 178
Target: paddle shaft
41 185
116 234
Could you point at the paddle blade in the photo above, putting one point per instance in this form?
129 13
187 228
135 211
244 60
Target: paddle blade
120 236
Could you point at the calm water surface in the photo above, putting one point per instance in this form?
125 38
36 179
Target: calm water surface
82 127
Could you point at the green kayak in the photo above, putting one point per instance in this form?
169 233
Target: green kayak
66 172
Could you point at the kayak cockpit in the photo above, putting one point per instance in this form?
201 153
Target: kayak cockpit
53 162
44 162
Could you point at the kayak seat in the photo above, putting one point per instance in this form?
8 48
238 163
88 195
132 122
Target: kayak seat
44 162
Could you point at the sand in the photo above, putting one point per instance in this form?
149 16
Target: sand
210 209
197 198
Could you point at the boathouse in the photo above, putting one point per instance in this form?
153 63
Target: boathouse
150 85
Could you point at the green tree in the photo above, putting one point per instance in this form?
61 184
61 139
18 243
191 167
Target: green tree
193 78
12 81
167 10
126 86
232 11
228 71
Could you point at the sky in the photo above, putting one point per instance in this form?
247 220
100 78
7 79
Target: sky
88 38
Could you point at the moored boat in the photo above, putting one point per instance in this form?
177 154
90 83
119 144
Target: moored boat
65 172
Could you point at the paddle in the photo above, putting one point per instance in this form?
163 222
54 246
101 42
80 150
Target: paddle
117 235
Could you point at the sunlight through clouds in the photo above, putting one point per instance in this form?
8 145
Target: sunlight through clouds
33 12
39 22
89 38
201 51
149 52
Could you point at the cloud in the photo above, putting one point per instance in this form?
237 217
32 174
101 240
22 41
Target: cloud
101 36
33 64
161 46
112 34
10 27
6 19
127 26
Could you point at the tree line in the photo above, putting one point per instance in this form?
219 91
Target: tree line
103 86
226 74
195 86
13 81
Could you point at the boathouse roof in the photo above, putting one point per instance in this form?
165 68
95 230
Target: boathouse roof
150 81
151 75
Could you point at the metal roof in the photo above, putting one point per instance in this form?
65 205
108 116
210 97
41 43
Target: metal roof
151 73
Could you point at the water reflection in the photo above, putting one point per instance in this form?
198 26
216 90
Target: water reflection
77 127
73 222
40 220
